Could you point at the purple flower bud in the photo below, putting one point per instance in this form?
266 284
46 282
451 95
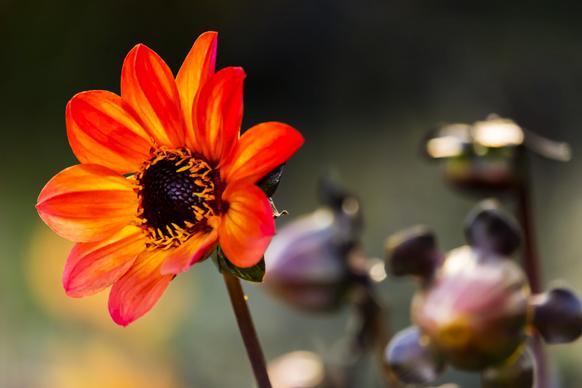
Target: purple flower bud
412 358
557 315
492 230
306 263
412 252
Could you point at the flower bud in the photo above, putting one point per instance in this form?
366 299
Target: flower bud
474 310
492 230
412 252
412 358
307 265
307 261
517 372
345 206
557 315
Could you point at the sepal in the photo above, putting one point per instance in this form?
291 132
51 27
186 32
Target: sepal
251 274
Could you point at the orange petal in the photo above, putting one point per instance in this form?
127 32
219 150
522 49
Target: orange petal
148 85
103 129
197 68
136 292
248 225
92 267
87 203
260 150
219 113
189 253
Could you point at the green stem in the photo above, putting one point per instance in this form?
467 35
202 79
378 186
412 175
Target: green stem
247 330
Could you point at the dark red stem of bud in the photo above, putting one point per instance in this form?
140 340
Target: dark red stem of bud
530 256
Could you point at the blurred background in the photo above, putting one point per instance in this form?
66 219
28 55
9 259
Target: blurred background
363 81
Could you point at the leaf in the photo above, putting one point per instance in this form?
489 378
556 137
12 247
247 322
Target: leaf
251 274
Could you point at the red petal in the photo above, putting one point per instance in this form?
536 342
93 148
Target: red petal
189 253
87 202
103 129
248 225
219 113
197 68
260 150
92 267
139 289
148 85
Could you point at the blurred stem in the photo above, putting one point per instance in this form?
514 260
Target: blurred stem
530 256
247 330
531 262
374 330
380 332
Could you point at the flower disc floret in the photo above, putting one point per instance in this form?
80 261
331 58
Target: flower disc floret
178 192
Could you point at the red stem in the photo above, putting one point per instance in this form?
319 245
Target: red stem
530 255
531 262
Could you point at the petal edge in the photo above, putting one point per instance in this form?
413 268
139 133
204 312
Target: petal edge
137 292
189 253
102 129
87 202
261 149
197 68
148 86
219 114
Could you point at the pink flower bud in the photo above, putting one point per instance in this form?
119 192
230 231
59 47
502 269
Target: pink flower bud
475 310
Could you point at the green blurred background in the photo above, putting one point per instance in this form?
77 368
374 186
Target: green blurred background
362 80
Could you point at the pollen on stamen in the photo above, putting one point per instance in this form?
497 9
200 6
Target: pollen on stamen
178 191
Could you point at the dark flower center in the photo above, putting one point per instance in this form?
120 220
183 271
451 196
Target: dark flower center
177 193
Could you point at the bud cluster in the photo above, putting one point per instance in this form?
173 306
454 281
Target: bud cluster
474 309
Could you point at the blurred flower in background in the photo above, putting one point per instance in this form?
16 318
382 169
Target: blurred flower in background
317 264
474 309
308 261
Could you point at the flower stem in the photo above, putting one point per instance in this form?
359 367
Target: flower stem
531 261
530 256
532 269
247 330
380 333
375 330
